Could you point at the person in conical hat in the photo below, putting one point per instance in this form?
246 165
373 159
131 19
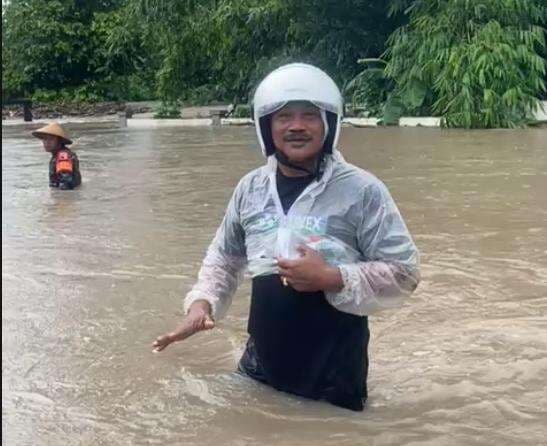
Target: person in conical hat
64 166
322 239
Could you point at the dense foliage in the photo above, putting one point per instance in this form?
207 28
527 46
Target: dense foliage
477 63
73 50
220 49
198 51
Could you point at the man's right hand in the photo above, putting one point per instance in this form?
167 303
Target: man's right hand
198 319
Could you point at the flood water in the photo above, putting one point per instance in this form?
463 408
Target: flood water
92 276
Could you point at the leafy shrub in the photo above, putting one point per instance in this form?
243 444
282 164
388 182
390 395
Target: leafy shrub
367 92
168 110
477 64
242 111
204 95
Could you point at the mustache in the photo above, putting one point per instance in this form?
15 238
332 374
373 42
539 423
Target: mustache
296 137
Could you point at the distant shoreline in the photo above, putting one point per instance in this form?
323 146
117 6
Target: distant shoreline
141 115
71 109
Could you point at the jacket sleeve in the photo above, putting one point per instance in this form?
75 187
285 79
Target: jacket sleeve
389 271
224 264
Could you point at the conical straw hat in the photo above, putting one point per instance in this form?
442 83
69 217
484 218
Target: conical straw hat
52 129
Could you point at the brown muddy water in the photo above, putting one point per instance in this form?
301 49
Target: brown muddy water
91 277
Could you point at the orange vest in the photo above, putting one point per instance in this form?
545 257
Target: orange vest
63 162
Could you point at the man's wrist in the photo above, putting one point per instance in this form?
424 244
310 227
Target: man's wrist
333 281
202 306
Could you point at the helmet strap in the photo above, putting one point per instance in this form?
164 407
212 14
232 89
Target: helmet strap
283 159
316 173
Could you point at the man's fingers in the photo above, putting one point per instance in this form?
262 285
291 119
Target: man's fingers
288 273
189 327
208 323
161 342
307 251
286 263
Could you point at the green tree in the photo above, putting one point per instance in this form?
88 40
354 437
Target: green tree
178 36
43 45
65 45
335 34
123 63
222 48
476 63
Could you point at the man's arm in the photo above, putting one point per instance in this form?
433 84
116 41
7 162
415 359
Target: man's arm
222 269
218 279
391 271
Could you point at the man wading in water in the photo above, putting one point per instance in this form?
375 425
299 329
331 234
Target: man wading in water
64 167
322 239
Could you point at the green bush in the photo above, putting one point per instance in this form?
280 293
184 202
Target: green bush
78 51
242 111
367 92
204 95
168 110
477 64
132 87
86 93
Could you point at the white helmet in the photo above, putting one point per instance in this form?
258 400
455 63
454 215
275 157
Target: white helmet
297 82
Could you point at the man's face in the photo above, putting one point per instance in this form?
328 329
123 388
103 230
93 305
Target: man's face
50 142
297 131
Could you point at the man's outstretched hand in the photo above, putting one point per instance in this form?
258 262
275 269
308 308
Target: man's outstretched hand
198 319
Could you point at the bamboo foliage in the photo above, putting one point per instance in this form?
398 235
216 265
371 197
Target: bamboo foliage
476 63
224 47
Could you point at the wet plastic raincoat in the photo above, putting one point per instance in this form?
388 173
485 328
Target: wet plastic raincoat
347 215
